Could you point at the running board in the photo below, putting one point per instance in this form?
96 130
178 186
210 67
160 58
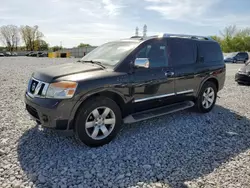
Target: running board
147 114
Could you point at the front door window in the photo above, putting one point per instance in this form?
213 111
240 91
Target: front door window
156 54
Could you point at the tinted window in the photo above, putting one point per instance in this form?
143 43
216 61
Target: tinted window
156 53
242 55
211 51
182 51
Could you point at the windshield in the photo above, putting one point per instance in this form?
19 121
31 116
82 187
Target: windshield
111 53
230 55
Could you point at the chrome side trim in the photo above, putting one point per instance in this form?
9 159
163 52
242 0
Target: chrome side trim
154 97
166 95
186 91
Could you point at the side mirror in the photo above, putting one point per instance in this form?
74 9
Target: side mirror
141 63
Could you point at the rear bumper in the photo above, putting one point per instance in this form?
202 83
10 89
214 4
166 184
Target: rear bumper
51 113
242 78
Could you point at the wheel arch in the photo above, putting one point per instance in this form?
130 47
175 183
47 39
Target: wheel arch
210 79
115 96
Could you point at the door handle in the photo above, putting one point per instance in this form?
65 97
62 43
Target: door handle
169 73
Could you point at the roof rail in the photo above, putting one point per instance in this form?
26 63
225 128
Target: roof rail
136 37
186 36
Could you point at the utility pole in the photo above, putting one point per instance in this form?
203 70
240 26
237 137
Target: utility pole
145 30
137 31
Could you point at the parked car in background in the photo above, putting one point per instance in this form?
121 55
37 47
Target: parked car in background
14 54
1 54
243 74
237 57
37 54
42 54
127 81
33 54
29 53
8 54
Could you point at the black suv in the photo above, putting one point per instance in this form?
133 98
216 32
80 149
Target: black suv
127 81
237 57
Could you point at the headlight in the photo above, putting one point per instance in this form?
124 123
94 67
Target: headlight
242 72
61 90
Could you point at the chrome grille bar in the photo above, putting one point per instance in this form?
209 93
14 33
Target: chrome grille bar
38 87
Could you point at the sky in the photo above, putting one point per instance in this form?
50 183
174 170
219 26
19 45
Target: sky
95 22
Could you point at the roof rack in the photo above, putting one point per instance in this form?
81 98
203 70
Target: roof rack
185 36
136 37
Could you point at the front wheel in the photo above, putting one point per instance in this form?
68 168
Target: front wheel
98 121
206 98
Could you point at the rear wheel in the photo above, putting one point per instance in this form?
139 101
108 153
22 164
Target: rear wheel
206 98
98 121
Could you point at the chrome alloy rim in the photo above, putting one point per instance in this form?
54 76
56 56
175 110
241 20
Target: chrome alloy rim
100 123
208 97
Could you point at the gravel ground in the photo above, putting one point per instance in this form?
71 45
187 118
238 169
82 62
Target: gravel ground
180 150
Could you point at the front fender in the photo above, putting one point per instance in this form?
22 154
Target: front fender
87 95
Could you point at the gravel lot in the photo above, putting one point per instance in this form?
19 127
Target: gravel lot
180 150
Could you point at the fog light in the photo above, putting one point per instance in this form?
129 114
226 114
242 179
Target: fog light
45 118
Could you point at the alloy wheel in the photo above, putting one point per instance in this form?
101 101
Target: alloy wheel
208 98
100 123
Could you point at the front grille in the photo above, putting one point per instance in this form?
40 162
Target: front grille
37 88
33 86
32 111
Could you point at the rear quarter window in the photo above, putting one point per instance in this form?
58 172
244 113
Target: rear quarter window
181 51
211 51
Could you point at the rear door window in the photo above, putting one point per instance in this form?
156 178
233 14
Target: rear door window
182 51
211 52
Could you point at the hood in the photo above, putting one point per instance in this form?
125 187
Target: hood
245 68
54 72
229 58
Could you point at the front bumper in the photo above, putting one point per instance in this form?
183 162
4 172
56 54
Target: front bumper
51 113
242 78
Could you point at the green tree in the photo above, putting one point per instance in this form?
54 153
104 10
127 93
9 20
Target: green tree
30 35
82 45
40 45
2 48
55 48
233 39
9 35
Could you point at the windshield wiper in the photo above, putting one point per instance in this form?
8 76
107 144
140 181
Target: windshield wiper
95 62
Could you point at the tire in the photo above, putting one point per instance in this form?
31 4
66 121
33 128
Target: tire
90 121
202 106
234 61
